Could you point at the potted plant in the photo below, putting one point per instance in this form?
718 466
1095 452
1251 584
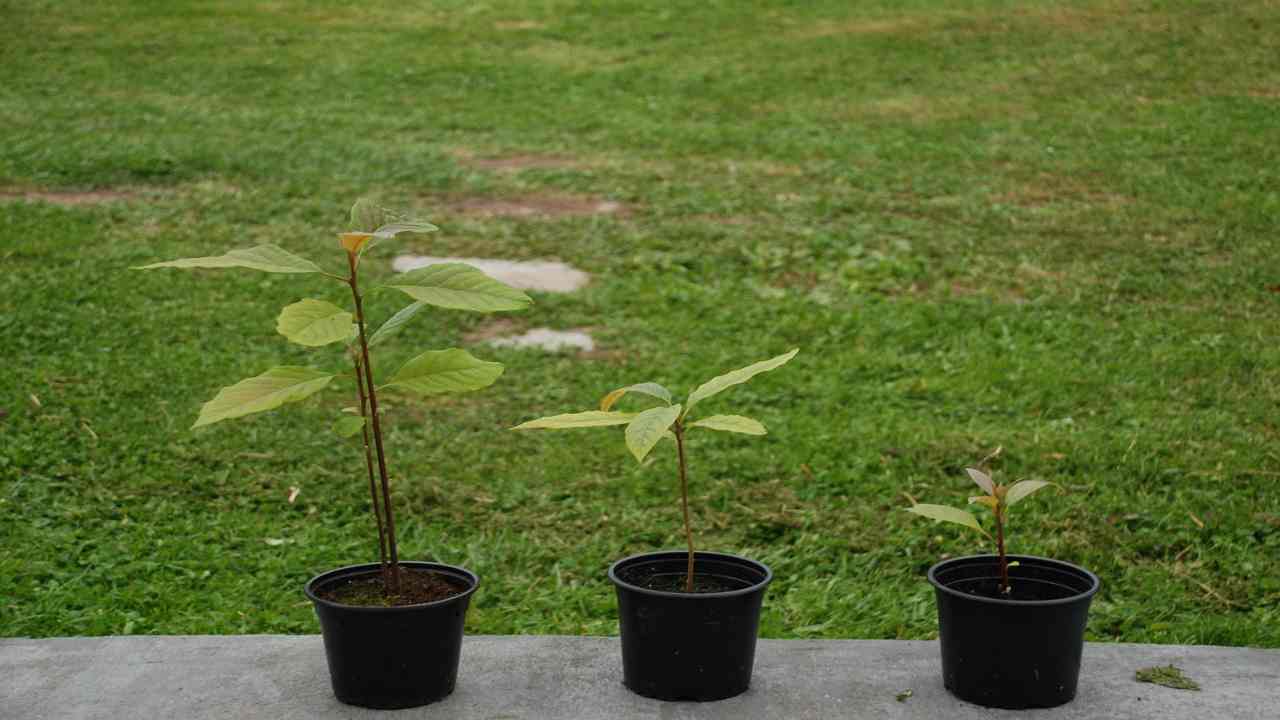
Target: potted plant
688 619
1011 627
392 629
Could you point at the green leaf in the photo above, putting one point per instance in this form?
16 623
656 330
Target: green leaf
443 371
647 388
731 423
347 426
367 215
737 377
412 227
1022 489
267 391
647 428
267 258
314 323
396 322
460 287
591 418
982 479
942 513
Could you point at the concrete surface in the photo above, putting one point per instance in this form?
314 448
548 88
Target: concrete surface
548 339
544 275
578 678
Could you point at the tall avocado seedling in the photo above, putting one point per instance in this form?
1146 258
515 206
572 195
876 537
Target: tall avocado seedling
315 323
646 428
998 499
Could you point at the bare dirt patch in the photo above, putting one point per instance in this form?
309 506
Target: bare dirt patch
533 206
491 330
69 199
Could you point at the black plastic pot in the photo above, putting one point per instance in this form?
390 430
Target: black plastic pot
682 646
1012 653
392 657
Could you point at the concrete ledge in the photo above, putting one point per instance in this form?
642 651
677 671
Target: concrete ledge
578 678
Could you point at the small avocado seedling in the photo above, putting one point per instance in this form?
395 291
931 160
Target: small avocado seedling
646 428
998 499
316 323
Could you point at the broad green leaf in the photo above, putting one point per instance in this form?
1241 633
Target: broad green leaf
378 223
1022 489
314 323
982 479
943 513
396 322
737 377
591 418
367 215
731 423
648 427
442 371
461 287
267 258
267 391
413 227
651 389
347 426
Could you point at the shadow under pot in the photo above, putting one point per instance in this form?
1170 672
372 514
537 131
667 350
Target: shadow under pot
696 646
1020 650
392 657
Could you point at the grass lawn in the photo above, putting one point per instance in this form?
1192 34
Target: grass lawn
1049 225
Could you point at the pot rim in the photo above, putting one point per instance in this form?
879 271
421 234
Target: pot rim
682 554
308 589
1094 582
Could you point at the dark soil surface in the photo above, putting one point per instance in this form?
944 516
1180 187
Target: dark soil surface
1019 589
674 582
416 587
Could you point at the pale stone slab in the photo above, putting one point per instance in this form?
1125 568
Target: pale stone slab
544 275
270 677
548 339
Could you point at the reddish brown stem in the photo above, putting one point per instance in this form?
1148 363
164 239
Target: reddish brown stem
393 554
368 464
684 502
1004 560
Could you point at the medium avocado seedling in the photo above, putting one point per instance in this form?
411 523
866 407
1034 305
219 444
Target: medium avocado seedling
315 323
648 427
998 499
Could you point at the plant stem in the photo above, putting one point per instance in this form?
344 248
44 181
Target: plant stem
368 463
1004 560
394 586
684 501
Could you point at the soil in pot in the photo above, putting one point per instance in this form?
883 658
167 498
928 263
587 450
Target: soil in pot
1020 650
416 587
650 579
696 646
395 656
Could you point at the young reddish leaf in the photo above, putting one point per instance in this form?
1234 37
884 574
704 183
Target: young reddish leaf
982 479
353 242
651 389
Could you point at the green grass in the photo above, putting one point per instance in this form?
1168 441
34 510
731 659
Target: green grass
1045 225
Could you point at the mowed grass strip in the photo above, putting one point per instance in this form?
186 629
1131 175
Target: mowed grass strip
1047 226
